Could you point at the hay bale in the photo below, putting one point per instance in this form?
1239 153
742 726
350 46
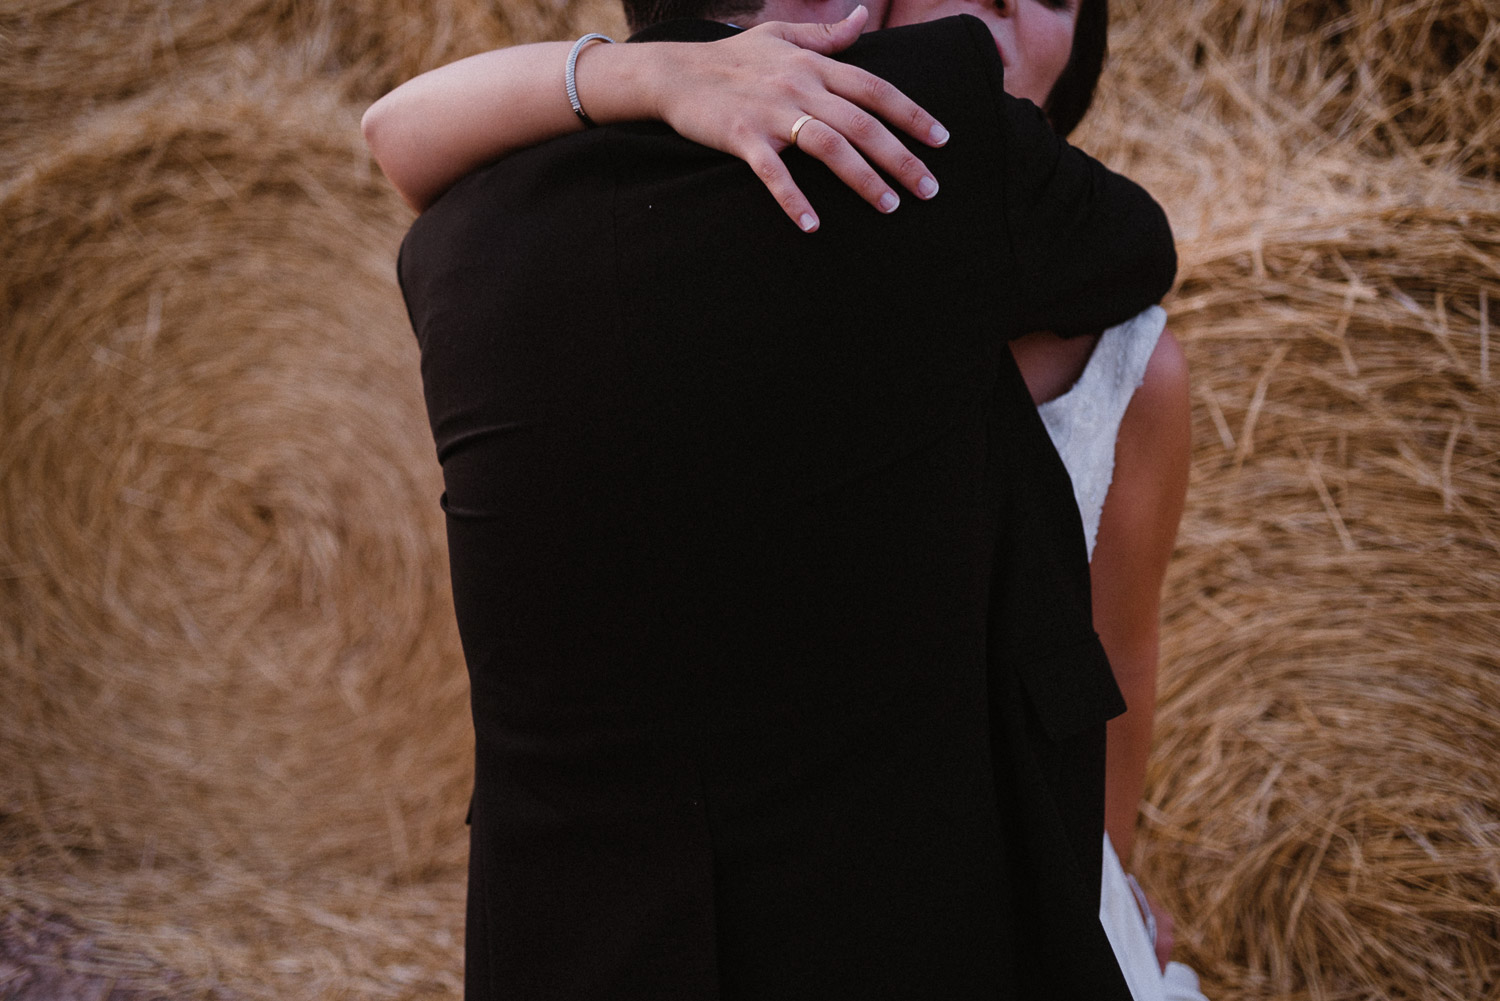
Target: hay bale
236 748
231 666
1396 77
62 58
1323 798
1388 77
1322 809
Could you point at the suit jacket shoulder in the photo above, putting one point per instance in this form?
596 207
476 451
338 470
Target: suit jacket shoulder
1090 247
1081 247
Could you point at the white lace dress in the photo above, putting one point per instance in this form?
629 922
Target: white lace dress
1084 423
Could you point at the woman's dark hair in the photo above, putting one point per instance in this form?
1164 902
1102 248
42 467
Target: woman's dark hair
1071 96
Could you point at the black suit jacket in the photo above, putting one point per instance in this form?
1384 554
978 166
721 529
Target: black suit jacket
771 588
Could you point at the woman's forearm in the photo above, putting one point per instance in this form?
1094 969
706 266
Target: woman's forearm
740 95
437 127
1137 531
1128 745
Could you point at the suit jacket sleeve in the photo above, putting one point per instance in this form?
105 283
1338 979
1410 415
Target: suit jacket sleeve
1081 247
1092 248
1070 245
1078 227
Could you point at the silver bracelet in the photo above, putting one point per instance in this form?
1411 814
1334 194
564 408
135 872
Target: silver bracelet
570 82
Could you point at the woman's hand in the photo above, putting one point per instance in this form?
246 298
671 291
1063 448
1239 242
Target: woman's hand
1166 934
742 96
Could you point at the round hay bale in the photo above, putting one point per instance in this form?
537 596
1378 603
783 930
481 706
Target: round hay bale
1391 77
1322 810
1324 807
1394 76
60 58
204 455
236 751
231 667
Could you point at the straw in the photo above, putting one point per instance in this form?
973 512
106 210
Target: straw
235 749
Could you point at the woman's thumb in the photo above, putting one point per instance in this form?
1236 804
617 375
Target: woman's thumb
830 38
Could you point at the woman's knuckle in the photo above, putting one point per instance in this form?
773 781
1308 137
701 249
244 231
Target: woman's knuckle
824 143
863 125
878 91
870 183
908 165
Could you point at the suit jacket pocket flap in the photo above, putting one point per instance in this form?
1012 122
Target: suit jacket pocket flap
1071 688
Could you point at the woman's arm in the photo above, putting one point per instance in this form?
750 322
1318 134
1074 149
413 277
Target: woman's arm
1137 531
739 95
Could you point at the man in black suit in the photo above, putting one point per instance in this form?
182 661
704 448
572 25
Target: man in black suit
771 587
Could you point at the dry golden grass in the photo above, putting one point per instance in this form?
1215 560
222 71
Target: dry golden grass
235 739
60 58
231 680
1324 803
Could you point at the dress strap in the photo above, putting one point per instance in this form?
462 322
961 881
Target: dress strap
1085 421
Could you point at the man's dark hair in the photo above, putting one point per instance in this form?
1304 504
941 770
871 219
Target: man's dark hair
1071 96
644 13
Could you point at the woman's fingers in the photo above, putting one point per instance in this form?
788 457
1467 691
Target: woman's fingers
746 95
768 166
885 100
870 137
822 141
824 38
832 146
861 88
1166 934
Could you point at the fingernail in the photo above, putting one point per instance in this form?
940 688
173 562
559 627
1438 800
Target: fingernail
808 222
926 187
856 10
888 202
938 135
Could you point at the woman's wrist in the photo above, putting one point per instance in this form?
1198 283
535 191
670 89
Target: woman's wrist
570 79
652 73
626 83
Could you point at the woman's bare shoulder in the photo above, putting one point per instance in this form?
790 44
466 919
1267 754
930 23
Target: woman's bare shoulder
1155 434
1149 488
1163 396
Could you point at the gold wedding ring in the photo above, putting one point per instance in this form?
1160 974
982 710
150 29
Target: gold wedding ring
796 128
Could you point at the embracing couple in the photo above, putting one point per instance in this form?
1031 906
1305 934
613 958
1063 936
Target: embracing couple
788 673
